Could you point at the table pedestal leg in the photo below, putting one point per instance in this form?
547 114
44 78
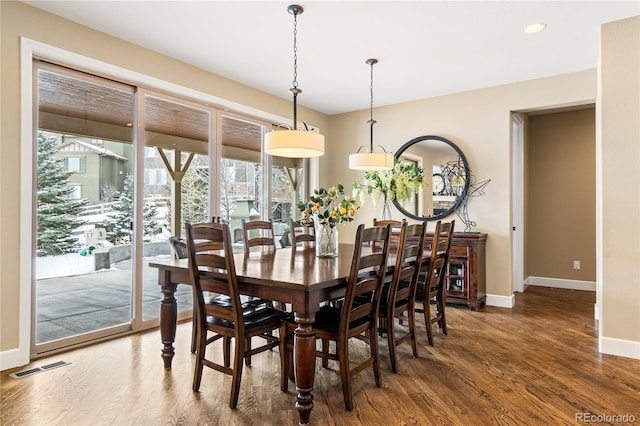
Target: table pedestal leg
168 317
304 353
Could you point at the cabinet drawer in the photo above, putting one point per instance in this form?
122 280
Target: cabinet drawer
459 251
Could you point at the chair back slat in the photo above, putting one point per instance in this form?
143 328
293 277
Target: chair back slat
207 260
260 241
218 286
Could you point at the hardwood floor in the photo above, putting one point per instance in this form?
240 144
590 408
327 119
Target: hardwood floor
537 363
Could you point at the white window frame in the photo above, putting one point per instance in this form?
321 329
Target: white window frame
82 161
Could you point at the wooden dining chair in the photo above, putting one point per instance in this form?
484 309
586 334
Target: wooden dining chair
266 238
399 296
395 228
350 320
224 316
301 233
258 233
435 292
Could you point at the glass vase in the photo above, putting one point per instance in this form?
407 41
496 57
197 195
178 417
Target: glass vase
326 240
385 213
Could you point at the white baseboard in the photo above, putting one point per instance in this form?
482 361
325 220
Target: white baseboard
619 347
561 283
11 359
501 301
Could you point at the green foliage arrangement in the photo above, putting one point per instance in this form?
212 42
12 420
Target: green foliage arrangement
399 183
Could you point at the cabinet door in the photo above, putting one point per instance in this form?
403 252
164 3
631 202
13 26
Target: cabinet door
456 277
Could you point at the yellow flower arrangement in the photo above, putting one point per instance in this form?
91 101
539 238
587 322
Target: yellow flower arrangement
328 206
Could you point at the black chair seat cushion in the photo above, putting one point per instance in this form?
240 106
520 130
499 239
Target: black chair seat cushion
254 316
328 319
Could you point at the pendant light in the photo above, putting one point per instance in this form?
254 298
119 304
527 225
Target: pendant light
289 142
371 160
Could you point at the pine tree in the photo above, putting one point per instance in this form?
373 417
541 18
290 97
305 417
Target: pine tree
57 213
195 195
118 225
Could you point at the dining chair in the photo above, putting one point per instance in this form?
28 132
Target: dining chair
301 233
212 269
435 292
395 227
181 249
258 233
266 238
350 320
399 296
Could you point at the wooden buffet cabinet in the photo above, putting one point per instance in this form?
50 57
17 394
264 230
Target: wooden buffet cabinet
466 277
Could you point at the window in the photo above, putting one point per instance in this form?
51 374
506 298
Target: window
75 191
74 164
241 178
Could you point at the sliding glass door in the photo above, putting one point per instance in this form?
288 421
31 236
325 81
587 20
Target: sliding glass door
176 185
84 171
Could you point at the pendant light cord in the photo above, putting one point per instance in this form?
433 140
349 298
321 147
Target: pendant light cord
295 90
371 120
295 52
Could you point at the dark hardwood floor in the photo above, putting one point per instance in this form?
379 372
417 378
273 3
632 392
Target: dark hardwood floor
535 364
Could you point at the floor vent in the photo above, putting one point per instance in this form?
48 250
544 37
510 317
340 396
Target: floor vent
36 370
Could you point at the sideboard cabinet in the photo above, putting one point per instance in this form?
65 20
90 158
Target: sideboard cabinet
465 274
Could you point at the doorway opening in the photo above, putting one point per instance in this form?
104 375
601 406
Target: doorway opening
553 211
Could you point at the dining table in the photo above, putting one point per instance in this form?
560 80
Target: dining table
294 276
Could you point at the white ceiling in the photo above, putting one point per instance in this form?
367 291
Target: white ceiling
424 48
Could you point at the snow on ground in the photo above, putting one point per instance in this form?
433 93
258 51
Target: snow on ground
64 265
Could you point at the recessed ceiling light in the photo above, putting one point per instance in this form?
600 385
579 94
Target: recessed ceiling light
534 28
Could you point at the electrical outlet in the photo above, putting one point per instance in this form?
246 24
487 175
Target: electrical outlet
576 264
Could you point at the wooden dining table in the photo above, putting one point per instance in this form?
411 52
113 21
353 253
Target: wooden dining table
296 277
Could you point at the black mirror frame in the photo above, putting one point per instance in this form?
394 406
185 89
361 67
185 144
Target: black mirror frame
467 181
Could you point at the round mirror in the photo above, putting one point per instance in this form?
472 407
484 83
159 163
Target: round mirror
446 176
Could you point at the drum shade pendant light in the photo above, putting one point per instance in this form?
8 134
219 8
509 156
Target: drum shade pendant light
289 142
371 160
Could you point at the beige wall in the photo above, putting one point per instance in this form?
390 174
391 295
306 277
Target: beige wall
561 195
19 19
619 143
479 123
